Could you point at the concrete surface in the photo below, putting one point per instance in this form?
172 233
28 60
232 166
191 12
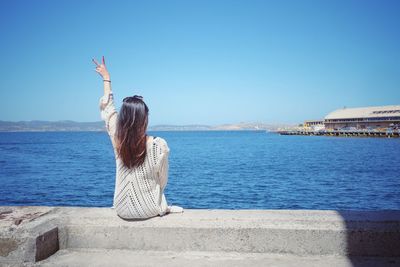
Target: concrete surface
23 230
262 231
206 237
111 258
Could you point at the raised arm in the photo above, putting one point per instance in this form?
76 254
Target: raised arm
102 70
107 108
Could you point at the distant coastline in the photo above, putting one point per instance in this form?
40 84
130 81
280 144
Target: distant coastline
73 126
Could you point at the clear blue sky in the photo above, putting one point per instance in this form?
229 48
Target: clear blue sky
199 62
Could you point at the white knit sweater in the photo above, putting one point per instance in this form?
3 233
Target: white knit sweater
139 191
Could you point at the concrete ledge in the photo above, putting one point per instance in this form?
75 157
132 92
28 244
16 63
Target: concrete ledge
129 258
297 232
260 231
24 234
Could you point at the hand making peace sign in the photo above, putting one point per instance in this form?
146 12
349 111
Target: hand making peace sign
101 69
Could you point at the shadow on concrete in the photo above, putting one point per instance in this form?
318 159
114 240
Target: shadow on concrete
373 237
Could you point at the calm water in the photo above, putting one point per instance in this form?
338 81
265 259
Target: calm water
230 170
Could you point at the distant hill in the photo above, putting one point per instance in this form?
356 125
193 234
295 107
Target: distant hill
71 126
193 127
43 126
243 126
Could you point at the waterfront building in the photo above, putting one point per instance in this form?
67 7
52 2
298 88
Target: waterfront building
380 118
314 125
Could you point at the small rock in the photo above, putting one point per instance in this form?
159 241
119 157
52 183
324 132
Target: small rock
17 221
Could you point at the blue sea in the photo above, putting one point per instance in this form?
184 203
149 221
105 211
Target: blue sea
213 170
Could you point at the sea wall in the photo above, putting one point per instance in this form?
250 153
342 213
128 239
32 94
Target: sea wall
344 133
30 234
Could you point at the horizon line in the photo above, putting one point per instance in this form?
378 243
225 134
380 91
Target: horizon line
159 124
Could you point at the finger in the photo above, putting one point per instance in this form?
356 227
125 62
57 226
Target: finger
96 70
95 62
104 62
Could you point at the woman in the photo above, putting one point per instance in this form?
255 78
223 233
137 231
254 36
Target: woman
141 160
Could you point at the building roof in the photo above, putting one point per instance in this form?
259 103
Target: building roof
309 121
365 112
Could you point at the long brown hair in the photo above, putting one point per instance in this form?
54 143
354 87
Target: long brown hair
131 131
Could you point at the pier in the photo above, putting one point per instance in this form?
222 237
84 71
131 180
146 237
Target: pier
343 133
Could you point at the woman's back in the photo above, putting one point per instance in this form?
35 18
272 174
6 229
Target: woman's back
139 191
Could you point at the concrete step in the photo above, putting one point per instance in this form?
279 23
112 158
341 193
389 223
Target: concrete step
27 234
101 257
32 234
300 233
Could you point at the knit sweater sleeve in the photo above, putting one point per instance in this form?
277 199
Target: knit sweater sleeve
109 115
162 162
